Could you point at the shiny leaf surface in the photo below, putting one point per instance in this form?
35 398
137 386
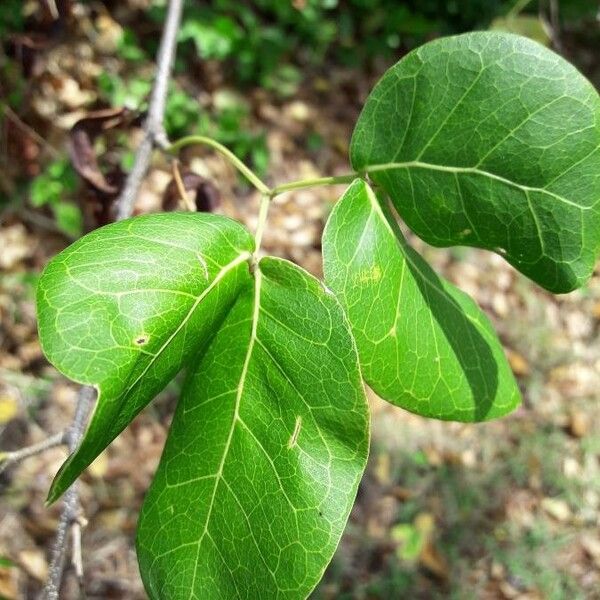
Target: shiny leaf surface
424 345
488 139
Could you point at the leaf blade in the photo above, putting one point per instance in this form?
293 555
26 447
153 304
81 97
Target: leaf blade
423 344
488 139
116 310
261 511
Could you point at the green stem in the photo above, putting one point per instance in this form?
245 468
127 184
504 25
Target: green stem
518 7
265 201
233 159
307 183
251 176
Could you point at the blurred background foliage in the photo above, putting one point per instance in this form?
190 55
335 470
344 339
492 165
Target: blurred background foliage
503 510
271 45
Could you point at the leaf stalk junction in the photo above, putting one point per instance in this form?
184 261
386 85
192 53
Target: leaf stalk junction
267 193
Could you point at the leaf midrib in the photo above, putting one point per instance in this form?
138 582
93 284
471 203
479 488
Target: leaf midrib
376 208
234 420
417 164
219 276
121 398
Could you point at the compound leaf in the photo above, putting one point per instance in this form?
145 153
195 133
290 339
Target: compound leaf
125 307
489 139
423 344
265 452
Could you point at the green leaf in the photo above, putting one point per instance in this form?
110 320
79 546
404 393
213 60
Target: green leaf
423 344
411 540
54 184
68 218
488 139
265 453
126 306
214 38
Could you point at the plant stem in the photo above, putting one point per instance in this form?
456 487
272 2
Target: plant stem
8 459
187 201
263 211
154 135
154 132
71 506
307 183
228 154
519 6
251 176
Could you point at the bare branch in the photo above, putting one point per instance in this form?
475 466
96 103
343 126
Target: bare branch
154 132
77 559
555 25
71 509
68 515
154 135
8 459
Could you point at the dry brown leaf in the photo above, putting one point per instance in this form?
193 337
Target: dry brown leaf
434 561
34 562
518 363
578 425
382 468
81 146
99 467
591 545
8 583
557 509
16 246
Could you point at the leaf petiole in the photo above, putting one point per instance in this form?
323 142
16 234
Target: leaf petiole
307 183
262 219
251 176
230 156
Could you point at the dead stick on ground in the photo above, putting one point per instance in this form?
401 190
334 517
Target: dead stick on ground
8 459
154 135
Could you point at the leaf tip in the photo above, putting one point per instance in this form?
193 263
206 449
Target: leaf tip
52 496
61 483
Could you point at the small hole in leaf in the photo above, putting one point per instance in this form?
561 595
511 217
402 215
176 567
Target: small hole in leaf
141 340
